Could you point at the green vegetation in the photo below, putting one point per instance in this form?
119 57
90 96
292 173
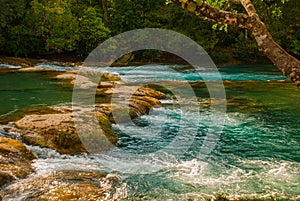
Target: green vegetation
38 27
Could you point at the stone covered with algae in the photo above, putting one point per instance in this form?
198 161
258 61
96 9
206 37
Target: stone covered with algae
15 160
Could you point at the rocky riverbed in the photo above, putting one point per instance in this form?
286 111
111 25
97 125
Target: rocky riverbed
53 127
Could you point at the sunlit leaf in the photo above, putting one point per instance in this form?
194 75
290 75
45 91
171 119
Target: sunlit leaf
198 2
191 6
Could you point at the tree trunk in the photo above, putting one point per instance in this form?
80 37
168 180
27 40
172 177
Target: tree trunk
286 63
104 8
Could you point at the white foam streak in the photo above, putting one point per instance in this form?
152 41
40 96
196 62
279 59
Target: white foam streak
265 178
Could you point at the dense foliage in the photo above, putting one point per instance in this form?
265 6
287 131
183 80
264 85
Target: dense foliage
34 27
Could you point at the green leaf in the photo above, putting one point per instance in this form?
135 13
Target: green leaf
191 6
198 2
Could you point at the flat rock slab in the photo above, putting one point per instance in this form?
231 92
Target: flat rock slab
65 185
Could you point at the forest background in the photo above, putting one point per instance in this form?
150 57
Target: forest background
71 29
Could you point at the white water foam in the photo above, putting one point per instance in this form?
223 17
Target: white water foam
9 66
251 178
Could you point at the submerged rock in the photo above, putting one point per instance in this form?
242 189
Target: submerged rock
66 185
15 160
242 105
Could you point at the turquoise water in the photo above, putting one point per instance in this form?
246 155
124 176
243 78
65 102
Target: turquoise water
162 73
21 89
257 153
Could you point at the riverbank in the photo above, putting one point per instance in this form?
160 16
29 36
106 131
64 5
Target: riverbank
69 59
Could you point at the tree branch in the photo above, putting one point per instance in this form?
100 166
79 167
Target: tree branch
249 8
221 16
286 63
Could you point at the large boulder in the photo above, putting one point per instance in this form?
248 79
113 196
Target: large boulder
57 131
15 160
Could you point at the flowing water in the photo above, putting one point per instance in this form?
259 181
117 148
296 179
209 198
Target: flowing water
256 154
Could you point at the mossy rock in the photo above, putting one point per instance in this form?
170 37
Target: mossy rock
242 105
103 91
106 126
15 160
107 77
58 131
145 91
117 113
152 101
140 106
26 111
245 105
10 146
5 177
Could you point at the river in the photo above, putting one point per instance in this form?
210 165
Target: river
256 154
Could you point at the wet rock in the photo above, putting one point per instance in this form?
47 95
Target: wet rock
144 91
242 105
25 111
126 106
140 106
6 177
58 132
106 126
66 185
35 69
106 84
88 80
56 129
15 160
17 61
152 101
245 105
105 91
107 77
117 113
186 68
137 96
68 75
126 91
